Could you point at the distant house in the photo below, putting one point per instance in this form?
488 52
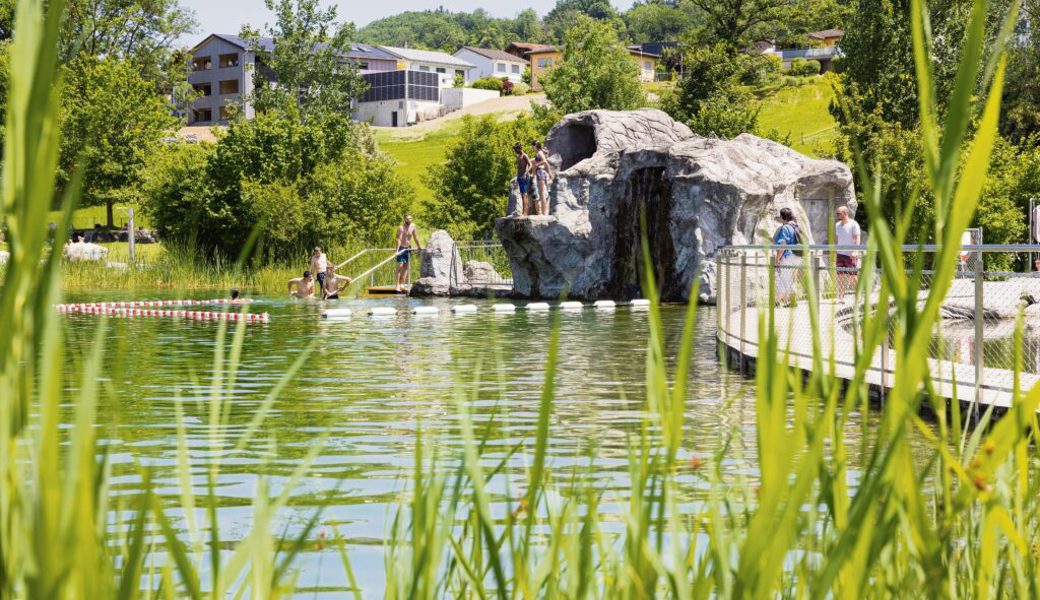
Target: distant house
426 61
544 58
493 63
523 49
223 66
827 38
827 47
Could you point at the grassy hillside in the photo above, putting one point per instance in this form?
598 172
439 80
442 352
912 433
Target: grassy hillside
803 114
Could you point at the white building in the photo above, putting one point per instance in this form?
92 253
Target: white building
492 63
426 61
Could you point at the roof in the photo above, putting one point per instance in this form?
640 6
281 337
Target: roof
827 33
528 48
543 49
638 51
360 51
266 43
494 54
428 56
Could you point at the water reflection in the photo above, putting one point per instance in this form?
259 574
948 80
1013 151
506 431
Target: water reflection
371 384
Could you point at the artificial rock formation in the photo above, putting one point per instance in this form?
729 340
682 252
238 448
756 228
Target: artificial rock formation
443 273
697 194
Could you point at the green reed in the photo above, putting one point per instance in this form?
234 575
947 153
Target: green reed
962 522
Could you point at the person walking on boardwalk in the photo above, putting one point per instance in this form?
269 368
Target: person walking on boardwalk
523 177
334 284
542 177
787 261
846 233
406 234
304 287
319 264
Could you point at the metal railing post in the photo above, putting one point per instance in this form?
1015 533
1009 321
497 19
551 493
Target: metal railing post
979 341
371 265
743 308
816 263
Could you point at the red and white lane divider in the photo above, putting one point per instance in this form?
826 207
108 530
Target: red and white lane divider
144 304
193 315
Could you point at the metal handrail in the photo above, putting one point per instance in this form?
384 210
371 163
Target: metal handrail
862 248
363 253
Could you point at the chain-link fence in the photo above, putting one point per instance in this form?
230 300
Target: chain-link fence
974 341
480 264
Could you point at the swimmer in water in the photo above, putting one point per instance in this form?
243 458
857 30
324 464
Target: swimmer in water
304 287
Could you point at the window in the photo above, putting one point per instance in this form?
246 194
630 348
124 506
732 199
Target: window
203 63
202 115
441 70
545 63
516 68
228 86
500 67
225 114
363 65
205 88
648 66
228 60
424 69
460 73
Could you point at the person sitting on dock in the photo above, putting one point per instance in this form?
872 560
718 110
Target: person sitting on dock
304 287
334 284
405 235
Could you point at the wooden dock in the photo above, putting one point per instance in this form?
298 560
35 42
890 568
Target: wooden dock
953 379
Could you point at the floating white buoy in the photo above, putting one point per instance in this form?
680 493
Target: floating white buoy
382 311
464 309
538 306
426 311
605 305
338 313
571 305
640 304
504 308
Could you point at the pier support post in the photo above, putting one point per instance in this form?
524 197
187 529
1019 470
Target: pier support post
980 354
743 308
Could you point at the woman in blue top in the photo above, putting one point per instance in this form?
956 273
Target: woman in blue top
787 262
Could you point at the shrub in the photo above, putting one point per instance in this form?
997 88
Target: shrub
488 83
507 86
805 68
460 81
519 89
526 77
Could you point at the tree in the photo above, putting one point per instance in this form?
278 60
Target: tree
596 72
305 73
112 119
657 22
568 14
710 98
471 188
740 23
139 31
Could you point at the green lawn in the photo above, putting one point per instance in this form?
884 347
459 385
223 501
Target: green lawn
803 113
414 155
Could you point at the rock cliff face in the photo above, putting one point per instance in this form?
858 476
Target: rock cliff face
696 195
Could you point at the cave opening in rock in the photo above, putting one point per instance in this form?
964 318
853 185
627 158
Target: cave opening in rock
648 193
575 144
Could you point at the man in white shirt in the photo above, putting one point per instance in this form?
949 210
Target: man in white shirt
846 233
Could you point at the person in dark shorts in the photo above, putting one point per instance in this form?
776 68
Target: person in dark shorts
334 284
846 233
523 176
406 234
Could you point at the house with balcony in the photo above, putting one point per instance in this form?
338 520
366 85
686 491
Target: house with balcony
826 46
493 63
542 58
223 66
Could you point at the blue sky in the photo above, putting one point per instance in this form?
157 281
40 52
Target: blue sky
228 16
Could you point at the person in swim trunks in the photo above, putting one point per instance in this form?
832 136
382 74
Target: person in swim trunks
405 235
523 176
542 176
334 284
304 287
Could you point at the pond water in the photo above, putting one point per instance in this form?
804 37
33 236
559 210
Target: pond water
371 384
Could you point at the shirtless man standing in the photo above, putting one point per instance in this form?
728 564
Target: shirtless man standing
319 264
333 286
523 179
405 234
304 287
